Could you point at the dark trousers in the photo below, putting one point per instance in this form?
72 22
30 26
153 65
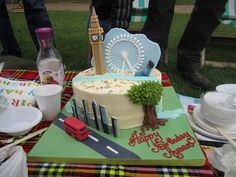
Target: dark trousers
158 23
204 19
7 37
36 17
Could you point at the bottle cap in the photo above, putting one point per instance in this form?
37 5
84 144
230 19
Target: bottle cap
44 35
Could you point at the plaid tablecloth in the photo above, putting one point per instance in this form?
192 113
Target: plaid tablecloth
62 169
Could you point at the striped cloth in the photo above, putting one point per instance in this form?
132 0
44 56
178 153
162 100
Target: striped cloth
229 16
140 11
63 169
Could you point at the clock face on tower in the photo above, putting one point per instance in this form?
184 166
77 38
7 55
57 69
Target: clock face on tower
95 37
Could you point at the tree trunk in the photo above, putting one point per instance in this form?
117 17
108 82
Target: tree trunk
150 118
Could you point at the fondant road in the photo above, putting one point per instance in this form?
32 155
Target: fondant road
102 145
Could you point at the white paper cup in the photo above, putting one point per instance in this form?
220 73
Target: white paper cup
48 98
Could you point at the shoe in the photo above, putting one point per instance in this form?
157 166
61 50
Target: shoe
197 80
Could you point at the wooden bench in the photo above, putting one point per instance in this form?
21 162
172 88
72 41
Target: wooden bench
228 18
18 4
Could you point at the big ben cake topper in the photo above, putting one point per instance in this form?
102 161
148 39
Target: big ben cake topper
96 40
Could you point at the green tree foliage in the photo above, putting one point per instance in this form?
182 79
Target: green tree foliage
146 93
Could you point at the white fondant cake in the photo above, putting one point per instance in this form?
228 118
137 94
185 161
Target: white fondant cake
109 91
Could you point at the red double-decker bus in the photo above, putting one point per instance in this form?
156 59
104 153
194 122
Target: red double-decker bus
76 128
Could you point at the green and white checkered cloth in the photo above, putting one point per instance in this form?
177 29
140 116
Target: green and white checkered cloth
229 16
140 11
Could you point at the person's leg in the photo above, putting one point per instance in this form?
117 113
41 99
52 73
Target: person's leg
36 17
158 23
9 43
103 11
204 19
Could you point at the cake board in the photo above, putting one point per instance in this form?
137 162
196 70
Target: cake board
173 144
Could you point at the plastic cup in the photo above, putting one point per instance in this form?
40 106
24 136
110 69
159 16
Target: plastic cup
48 98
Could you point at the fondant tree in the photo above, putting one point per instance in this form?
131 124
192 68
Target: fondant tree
148 94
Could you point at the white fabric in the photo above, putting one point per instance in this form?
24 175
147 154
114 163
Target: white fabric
224 159
13 163
218 108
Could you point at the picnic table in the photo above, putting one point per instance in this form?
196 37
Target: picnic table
66 169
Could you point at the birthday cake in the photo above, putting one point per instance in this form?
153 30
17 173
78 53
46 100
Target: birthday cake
109 90
117 99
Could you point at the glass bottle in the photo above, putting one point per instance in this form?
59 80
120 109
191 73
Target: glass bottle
49 61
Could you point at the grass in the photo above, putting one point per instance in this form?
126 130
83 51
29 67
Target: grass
72 39
185 2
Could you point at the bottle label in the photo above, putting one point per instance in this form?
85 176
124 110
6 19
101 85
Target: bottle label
48 76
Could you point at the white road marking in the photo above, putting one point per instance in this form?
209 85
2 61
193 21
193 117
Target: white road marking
60 119
111 149
93 138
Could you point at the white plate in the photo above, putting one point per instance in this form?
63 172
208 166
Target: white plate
227 88
208 126
203 132
17 121
208 139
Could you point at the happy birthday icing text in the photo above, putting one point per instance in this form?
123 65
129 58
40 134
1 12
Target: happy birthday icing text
156 143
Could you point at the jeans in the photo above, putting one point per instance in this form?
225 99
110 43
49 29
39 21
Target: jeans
36 17
158 23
